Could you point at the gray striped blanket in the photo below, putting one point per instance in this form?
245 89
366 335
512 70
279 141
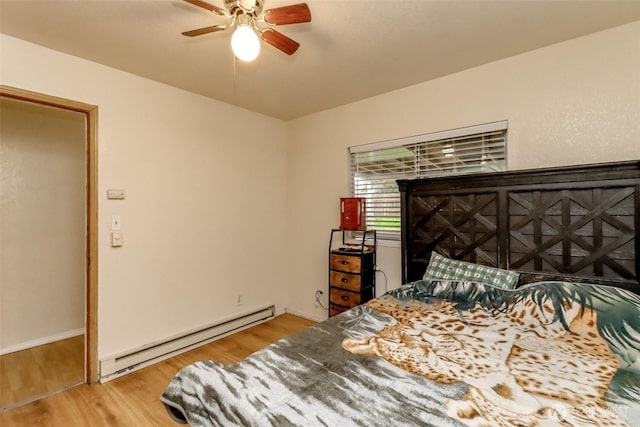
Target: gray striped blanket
436 353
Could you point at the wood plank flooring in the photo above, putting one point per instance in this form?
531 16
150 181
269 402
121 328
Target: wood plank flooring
35 371
134 399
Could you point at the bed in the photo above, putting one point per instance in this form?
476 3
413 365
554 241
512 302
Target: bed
520 308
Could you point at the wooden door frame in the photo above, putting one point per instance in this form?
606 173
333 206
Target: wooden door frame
91 148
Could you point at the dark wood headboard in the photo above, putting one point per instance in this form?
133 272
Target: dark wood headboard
578 223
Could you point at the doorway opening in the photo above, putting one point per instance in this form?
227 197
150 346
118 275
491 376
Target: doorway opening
86 339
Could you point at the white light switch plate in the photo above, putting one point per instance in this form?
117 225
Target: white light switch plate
116 238
115 222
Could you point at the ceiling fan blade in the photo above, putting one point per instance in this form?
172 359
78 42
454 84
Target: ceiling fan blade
280 41
203 4
205 30
294 14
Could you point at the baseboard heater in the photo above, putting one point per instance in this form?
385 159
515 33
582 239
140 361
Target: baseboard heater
124 363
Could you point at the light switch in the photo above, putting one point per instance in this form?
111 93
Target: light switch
115 222
116 238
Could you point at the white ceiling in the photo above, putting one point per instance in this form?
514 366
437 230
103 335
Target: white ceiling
352 49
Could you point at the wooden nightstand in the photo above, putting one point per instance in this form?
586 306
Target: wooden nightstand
352 264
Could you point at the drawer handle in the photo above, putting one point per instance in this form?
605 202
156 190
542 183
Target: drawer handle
344 280
345 262
345 298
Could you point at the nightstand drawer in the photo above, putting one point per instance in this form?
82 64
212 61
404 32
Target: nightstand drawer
344 298
345 280
350 264
336 309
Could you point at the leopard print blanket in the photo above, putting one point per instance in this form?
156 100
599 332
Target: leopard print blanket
436 353
521 368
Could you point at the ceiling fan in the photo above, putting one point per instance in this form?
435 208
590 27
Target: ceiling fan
250 21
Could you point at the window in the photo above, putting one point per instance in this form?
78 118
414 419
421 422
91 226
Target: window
376 167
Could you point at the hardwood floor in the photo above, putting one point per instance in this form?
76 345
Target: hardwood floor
134 399
29 373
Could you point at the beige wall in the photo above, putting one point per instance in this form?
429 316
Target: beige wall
204 214
42 224
571 103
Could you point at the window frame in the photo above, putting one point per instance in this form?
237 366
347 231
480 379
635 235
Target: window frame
419 144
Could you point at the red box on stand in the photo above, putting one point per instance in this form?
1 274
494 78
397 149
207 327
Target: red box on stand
352 211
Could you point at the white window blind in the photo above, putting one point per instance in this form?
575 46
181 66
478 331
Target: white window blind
376 167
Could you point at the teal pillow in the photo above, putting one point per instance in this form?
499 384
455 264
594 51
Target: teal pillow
441 267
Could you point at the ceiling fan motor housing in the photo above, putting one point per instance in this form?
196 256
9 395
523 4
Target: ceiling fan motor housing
249 7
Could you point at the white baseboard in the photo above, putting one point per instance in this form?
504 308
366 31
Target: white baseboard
120 364
41 341
305 315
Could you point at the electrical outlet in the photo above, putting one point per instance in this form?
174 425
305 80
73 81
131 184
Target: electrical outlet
239 299
317 302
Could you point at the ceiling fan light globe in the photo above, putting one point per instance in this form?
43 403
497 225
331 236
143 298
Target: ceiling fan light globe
245 43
